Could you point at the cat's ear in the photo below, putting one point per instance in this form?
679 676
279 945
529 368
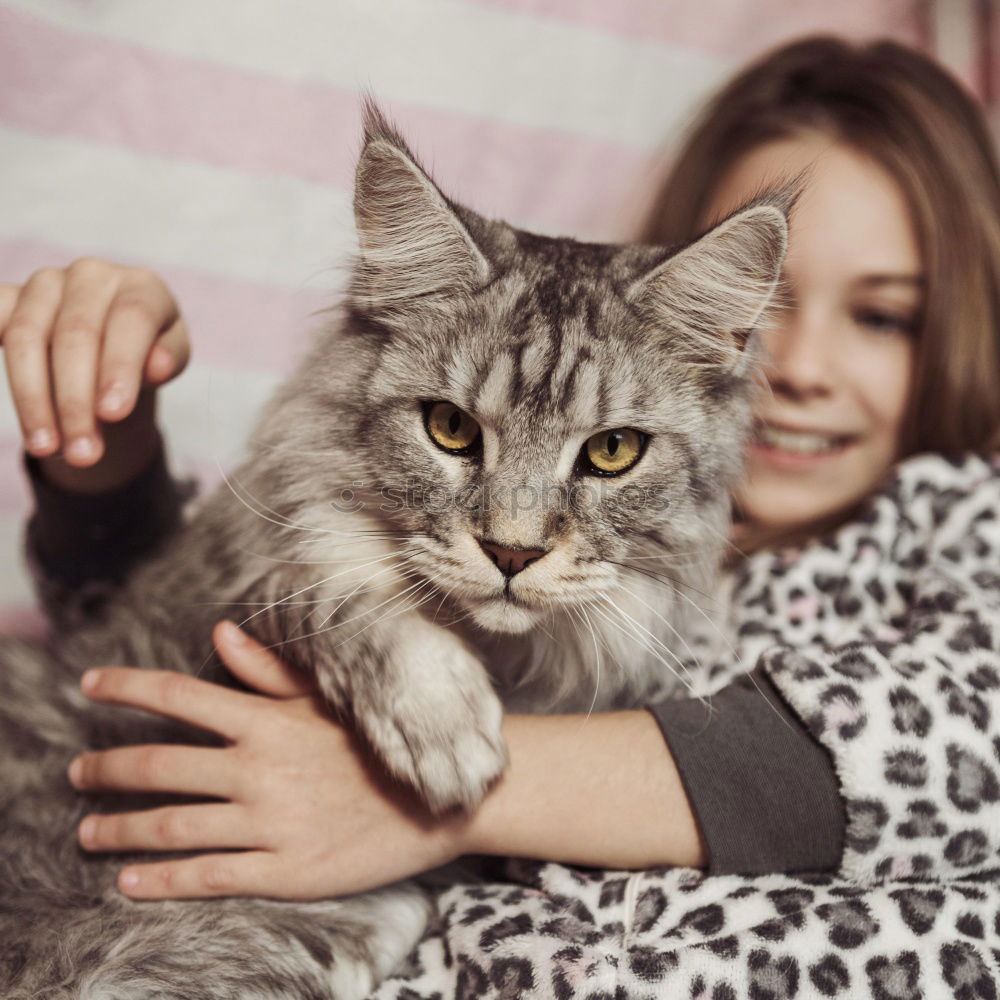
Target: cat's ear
412 241
716 291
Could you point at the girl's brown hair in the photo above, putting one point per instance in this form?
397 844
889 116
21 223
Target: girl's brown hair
905 112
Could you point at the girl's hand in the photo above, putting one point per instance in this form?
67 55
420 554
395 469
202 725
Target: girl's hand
310 814
85 347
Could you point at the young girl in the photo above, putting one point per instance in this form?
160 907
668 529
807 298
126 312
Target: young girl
851 730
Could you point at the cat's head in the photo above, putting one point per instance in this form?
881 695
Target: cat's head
547 421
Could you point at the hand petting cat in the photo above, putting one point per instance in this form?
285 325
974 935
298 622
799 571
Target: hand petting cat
305 814
86 347
296 793
294 807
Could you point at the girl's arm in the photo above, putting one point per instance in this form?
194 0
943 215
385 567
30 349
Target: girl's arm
602 790
81 546
734 785
85 349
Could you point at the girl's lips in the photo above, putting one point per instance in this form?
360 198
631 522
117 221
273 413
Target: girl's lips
779 458
789 447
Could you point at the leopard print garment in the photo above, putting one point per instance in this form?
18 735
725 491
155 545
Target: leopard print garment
885 639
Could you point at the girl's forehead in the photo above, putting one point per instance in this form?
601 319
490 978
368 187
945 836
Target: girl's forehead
852 219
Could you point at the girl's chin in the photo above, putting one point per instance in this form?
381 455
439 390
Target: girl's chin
781 499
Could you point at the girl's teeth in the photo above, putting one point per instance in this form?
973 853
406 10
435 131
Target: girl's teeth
798 442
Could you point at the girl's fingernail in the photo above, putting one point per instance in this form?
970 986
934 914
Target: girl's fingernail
81 448
115 398
76 771
87 828
89 680
160 363
235 634
128 879
39 440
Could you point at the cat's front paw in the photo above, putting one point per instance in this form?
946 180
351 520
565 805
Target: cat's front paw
441 732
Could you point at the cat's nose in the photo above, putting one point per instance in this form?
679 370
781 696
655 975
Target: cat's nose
510 561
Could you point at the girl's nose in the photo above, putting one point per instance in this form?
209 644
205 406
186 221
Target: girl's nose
799 362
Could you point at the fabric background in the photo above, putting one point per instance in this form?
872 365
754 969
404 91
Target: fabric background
214 141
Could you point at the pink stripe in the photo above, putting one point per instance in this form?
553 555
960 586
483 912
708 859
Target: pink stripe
731 28
233 323
14 493
52 81
23 621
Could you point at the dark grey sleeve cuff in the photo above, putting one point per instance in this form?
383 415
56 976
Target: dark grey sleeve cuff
763 790
74 539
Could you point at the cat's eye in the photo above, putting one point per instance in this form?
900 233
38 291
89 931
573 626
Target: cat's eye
613 452
451 428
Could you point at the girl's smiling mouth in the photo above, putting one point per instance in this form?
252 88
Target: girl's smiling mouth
796 446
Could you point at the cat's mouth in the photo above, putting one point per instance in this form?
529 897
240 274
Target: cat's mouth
505 612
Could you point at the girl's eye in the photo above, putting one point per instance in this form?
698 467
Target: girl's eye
885 322
610 453
451 428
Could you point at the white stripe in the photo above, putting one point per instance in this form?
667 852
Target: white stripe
955 27
447 54
206 414
15 583
206 417
125 205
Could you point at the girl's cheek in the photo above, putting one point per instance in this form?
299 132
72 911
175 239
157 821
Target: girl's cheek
879 374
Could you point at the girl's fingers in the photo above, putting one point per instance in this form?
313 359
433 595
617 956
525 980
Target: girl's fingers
248 873
25 338
175 695
171 828
140 312
8 299
77 343
156 767
170 354
256 666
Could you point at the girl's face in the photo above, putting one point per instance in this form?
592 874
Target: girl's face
840 350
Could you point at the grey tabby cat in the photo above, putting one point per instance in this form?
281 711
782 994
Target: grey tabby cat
499 479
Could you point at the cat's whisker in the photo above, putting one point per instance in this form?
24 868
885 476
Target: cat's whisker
635 634
444 596
253 604
389 600
403 573
669 557
723 536
342 599
336 625
269 606
581 611
283 523
640 641
230 480
319 583
646 604
661 578
388 614
314 562
400 571
607 600
714 625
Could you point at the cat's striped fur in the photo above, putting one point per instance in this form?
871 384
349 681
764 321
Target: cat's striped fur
412 633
